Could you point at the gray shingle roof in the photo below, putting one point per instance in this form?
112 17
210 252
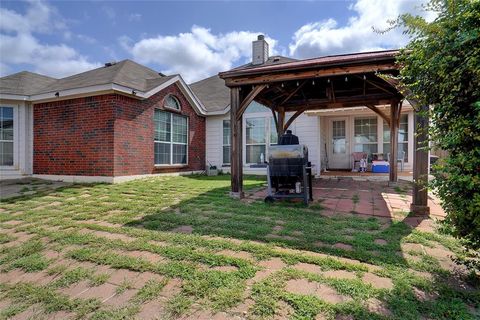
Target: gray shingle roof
24 83
212 92
273 60
125 73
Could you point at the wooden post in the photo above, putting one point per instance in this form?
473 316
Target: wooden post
419 204
236 159
394 122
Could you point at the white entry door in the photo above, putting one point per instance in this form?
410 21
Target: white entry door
339 150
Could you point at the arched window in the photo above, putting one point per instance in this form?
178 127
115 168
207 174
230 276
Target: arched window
172 102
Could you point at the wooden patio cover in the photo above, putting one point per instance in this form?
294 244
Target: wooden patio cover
341 81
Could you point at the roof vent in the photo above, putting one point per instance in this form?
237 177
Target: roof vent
259 50
111 63
276 59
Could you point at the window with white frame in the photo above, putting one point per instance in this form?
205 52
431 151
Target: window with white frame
171 138
402 137
365 135
226 141
256 143
6 136
172 102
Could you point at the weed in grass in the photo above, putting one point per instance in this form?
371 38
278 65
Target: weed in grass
71 276
57 269
98 279
149 291
178 305
125 285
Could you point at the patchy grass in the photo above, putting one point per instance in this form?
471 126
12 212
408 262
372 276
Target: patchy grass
129 227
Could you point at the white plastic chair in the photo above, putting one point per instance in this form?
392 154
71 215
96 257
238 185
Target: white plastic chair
401 158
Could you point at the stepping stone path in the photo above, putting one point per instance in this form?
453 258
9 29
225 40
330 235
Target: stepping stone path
308 267
339 274
343 246
381 242
237 254
183 229
305 287
378 282
377 306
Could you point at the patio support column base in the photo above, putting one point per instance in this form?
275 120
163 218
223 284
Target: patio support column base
420 210
420 162
237 195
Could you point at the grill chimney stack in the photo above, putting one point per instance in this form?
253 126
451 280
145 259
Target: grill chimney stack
259 50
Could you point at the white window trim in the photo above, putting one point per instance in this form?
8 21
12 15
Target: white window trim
167 106
226 164
15 138
369 143
171 164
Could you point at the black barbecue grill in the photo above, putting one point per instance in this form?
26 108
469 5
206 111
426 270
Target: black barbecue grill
289 173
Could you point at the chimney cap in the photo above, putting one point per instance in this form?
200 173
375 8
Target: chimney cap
261 37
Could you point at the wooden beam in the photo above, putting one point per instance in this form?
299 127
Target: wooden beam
419 204
293 93
307 74
236 157
395 108
376 85
249 98
379 112
293 117
359 99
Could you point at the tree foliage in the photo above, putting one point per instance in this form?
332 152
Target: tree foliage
440 67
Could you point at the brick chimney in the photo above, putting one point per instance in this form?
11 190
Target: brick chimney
259 50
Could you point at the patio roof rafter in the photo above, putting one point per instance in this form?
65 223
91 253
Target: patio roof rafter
322 83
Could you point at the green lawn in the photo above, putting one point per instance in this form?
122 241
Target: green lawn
243 258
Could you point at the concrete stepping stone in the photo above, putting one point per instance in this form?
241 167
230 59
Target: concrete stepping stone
103 292
324 292
377 282
379 307
236 254
308 267
183 229
224 268
121 275
273 264
122 299
343 246
151 310
339 274
172 288
381 242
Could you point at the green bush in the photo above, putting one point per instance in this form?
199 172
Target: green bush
440 67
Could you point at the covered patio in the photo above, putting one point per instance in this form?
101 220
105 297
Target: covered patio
342 81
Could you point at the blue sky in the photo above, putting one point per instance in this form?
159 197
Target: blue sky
194 38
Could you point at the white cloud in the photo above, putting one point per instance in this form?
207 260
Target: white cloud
327 37
19 45
196 54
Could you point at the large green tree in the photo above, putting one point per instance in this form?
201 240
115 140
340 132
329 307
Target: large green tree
440 68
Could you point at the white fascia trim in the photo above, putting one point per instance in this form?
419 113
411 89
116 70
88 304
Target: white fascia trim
197 104
6 96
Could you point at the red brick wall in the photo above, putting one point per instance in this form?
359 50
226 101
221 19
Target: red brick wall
134 134
74 137
108 135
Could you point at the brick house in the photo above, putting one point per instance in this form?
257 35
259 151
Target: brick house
114 123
